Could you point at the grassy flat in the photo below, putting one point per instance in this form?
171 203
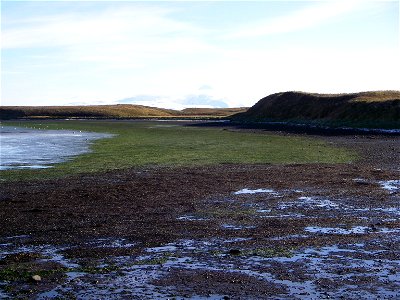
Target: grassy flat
146 143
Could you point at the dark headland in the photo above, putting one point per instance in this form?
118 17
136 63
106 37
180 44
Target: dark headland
379 109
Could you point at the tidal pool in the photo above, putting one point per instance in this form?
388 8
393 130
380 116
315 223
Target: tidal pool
22 148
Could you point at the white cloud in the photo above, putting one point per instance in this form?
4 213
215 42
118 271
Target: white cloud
186 101
129 49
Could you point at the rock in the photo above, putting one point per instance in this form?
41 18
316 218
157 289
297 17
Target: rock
234 252
36 278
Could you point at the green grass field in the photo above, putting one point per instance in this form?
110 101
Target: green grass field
138 144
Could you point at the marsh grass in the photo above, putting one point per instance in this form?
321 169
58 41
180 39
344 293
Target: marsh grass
138 144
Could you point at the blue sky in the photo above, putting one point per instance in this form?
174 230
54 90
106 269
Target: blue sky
194 53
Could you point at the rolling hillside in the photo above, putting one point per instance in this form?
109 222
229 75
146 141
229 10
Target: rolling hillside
372 109
95 111
108 112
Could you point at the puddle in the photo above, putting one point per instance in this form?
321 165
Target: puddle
300 271
323 264
191 218
23 236
3 295
262 211
288 237
390 185
352 230
238 239
24 148
49 252
389 210
325 203
167 248
285 215
236 227
337 230
256 191
309 202
360 180
110 243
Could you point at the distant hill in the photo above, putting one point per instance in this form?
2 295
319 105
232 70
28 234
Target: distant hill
371 109
221 112
92 111
109 111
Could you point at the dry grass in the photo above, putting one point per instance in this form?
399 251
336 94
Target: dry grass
371 96
378 96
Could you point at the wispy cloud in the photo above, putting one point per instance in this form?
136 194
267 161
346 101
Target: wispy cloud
121 37
316 13
106 25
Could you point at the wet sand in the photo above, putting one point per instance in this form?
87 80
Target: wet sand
308 231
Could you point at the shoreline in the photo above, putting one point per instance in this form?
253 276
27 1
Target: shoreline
229 230
307 127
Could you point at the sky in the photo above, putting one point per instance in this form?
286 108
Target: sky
194 53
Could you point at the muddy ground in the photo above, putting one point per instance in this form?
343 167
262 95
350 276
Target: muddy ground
223 232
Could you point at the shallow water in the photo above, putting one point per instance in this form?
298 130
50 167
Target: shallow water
345 266
390 185
310 202
256 191
354 260
191 218
351 230
22 148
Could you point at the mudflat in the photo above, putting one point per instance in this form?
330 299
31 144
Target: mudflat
228 231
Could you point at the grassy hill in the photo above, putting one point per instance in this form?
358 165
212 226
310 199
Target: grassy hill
368 109
108 111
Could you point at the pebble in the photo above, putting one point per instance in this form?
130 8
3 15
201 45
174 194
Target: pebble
36 278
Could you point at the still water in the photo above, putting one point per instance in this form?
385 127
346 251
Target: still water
22 148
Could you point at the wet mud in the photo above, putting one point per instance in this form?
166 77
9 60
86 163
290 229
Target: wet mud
220 232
